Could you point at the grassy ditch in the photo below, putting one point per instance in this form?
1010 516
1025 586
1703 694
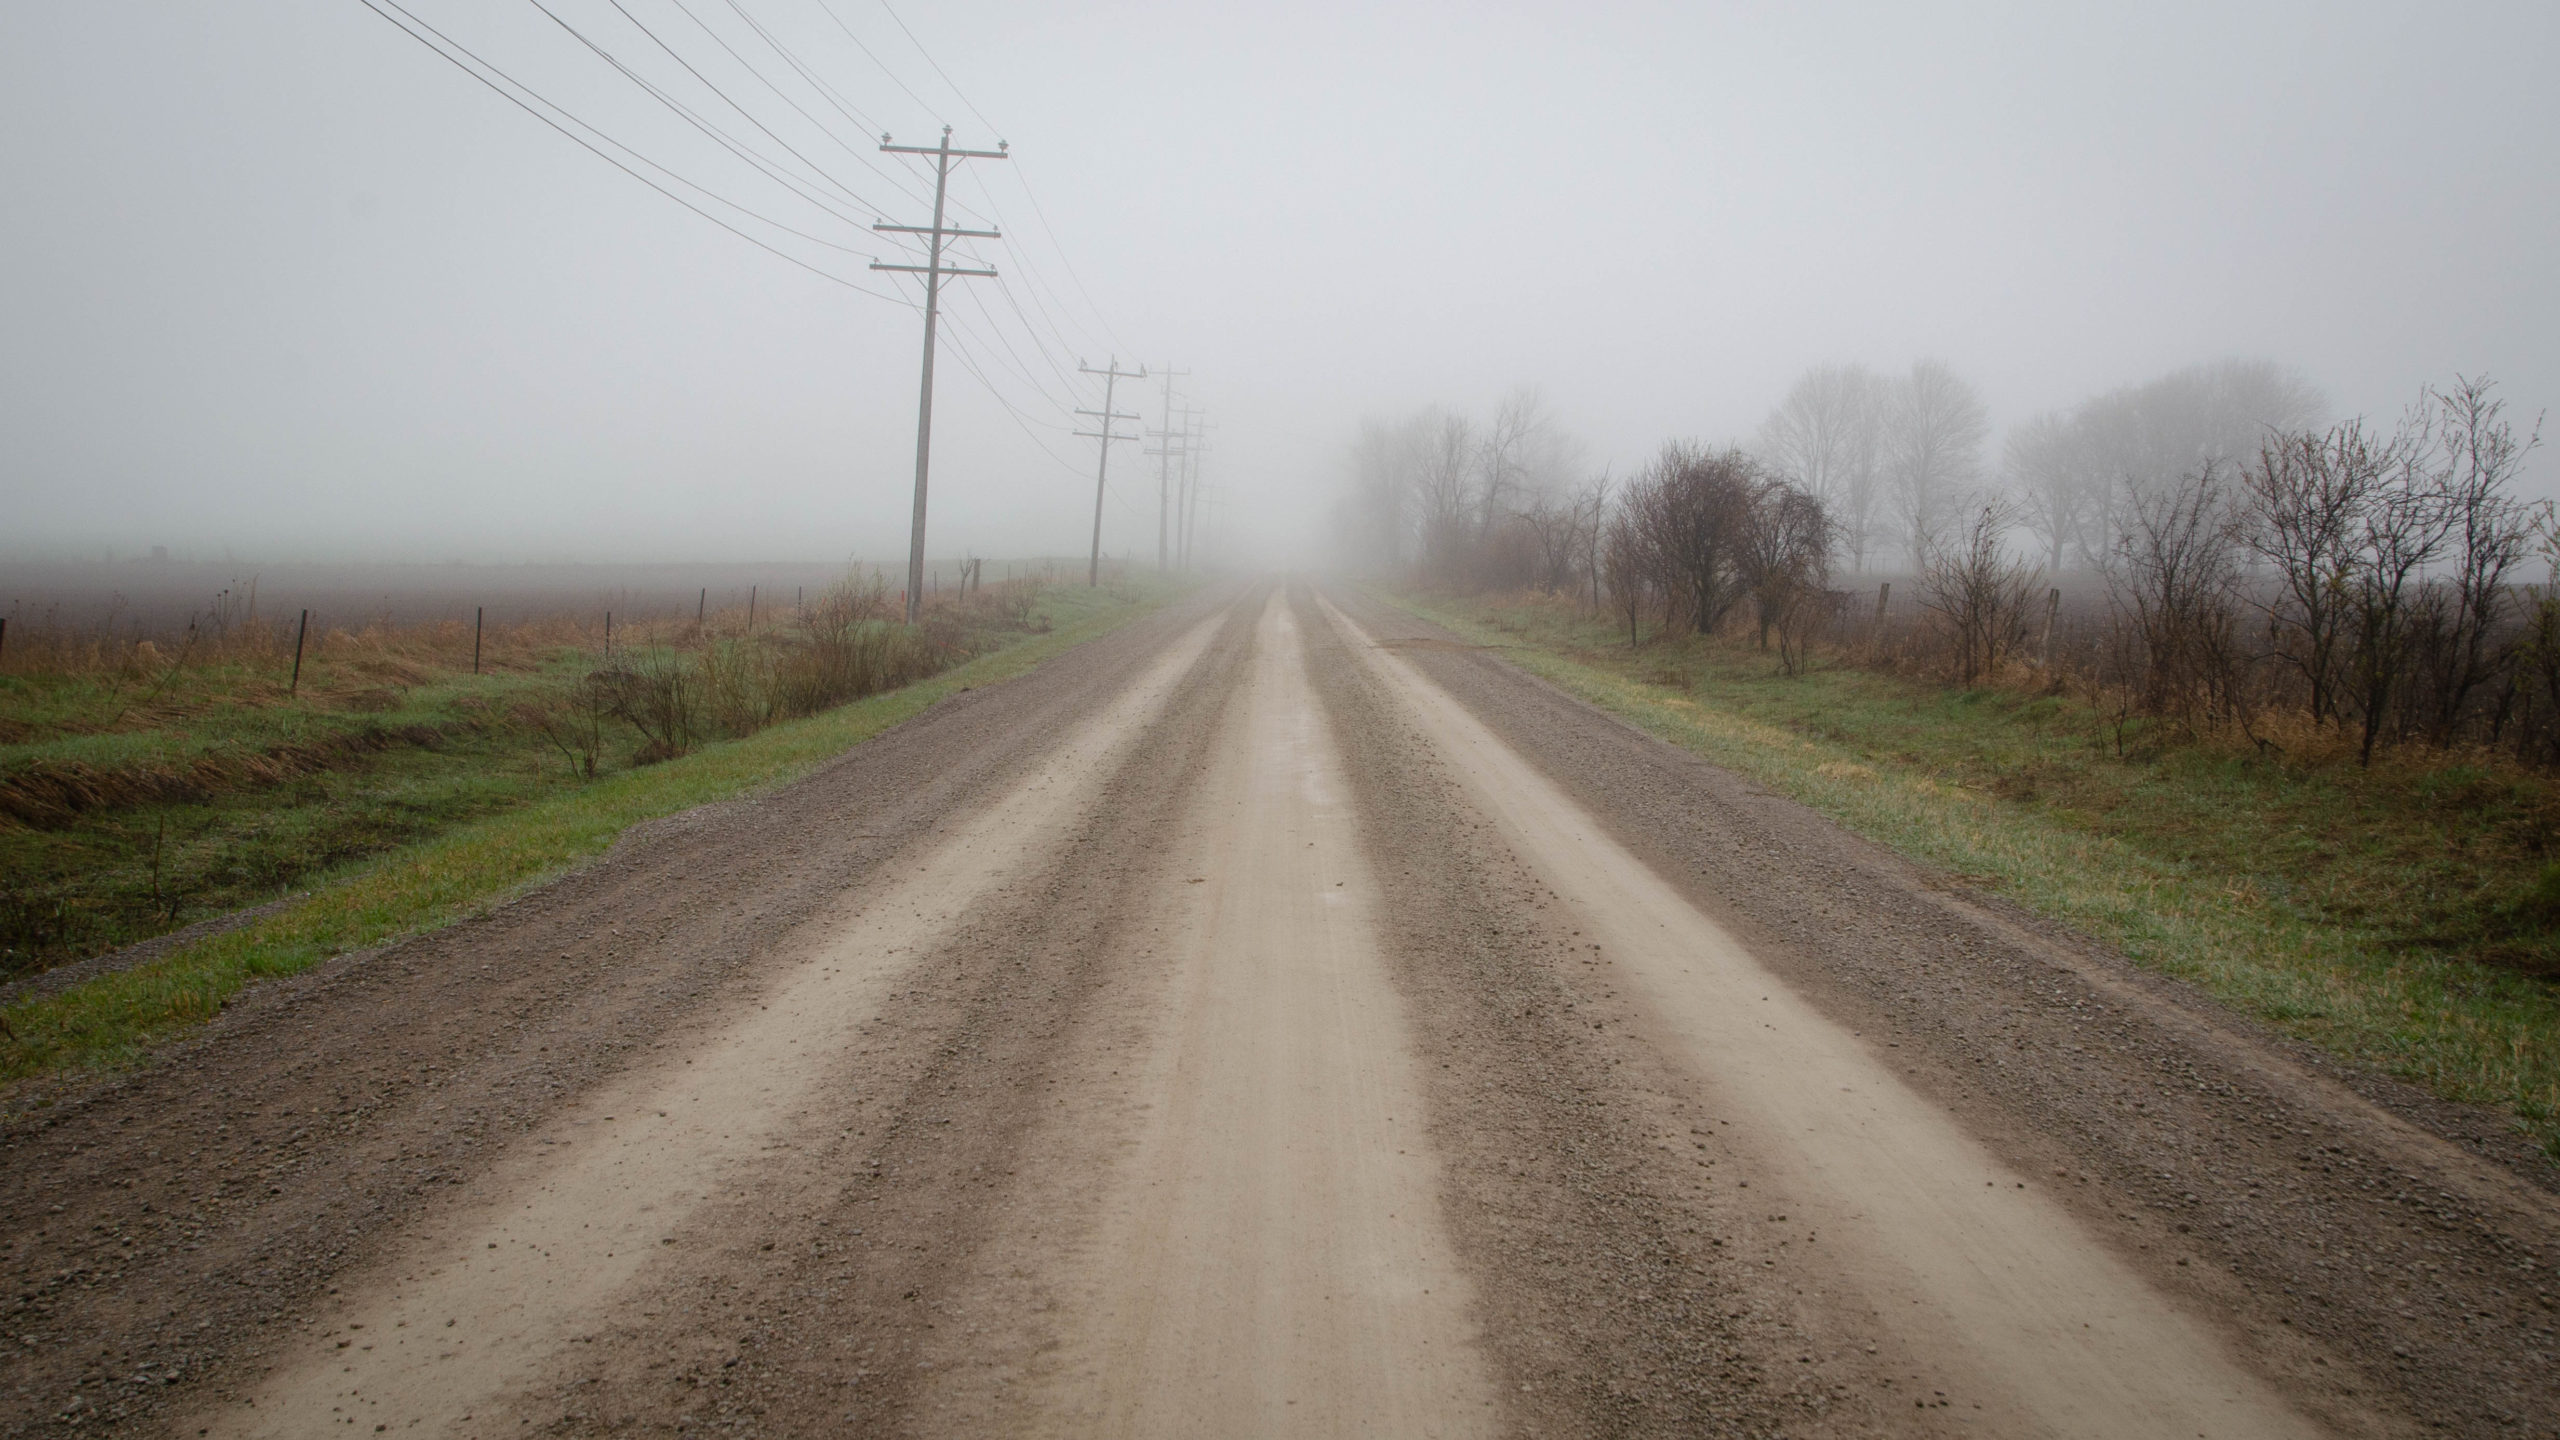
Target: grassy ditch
143 787
546 820
2406 917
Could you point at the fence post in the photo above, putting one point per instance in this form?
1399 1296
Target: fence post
1875 635
479 617
701 606
300 629
2044 646
4 634
608 636
751 609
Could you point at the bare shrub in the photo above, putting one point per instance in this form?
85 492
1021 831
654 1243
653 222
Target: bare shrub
2468 638
574 724
1629 567
1564 531
1696 510
652 692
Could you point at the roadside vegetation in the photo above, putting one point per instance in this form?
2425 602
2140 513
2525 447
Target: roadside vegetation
399 791
2290 731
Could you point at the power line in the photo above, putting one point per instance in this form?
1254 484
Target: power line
830 11
1022 420
1044 296
1019 368
739 147
937 69
834 97
778 92
1064 259
462 58
771 169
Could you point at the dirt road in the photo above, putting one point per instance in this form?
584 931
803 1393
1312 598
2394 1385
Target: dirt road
1271 1019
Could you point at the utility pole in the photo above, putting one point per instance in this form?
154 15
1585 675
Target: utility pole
1112 375
1182 495
1164 467
932 270
1194 432
1172 446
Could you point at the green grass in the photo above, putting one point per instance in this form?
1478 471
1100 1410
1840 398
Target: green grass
2403 918
448 753
466 868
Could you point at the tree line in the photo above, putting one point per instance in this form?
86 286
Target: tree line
2230 559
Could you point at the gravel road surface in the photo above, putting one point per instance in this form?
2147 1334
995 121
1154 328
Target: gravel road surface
1274 1018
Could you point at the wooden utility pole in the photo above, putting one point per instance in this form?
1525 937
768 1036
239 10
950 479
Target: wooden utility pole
1164 452
1112 375
932 270
1173 449
1194 432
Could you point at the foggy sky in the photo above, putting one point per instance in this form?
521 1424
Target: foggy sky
276 281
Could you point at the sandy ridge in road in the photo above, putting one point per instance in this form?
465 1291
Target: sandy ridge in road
1263 1253
1962 1260
478 1301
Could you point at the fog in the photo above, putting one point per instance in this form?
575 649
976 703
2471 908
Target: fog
283 284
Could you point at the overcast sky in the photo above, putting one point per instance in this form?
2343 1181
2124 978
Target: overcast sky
277 280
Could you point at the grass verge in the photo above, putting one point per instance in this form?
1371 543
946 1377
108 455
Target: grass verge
2396 918
114 1020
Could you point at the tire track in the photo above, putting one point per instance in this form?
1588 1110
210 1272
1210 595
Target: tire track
1984 1280
467 1311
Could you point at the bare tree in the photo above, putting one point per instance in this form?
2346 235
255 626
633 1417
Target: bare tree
1561 529
1979 593
2152 437
1825 436
1522 454
1629 561
1593 501
1385 463
1934 426
1443 488
2307 499
2179 578
2404 527
2045 466
2477 458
